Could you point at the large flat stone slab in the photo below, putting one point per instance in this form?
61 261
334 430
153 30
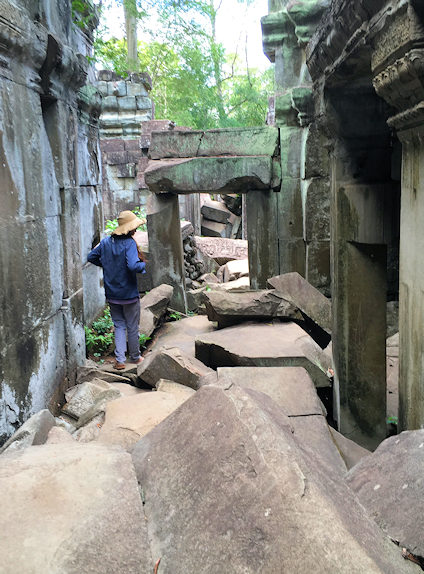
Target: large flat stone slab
71 508
232 141
182 334
130 418
222 250
211 174
256 344
390 485
232 308
289 387
228 488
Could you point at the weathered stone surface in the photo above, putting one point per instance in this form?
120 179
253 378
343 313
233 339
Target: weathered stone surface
231 308
181 334
90 431
33 432
309 300
240 284
323 359
85 396
167 386
215 211
389 484
153 306
174 364
130 418
255 344
222 250
350 452
221 142
58 435
291 388
213 228
87 500
235 499
164 229
233 270
210 174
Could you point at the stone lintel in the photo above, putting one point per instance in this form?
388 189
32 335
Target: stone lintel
220 142
211 175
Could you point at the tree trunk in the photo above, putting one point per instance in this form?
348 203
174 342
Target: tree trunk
130 11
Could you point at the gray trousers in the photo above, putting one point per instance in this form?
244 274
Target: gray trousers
126 319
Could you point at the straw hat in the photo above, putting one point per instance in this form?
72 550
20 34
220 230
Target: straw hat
128 221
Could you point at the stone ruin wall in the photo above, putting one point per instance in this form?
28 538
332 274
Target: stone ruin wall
51 210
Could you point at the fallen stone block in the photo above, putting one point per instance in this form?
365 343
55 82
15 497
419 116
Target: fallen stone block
219 142
58 435
86 395
181 334
233 270
89 373
167 386
303 295
174 364
260 345
82 511
208 278
130 418
389 484
240 284
222 250
350 451
211 175
215 211
33 432
213 229
247 496
90 431
153 307
232 308
323 359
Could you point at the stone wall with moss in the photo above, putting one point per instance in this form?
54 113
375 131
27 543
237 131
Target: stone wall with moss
50 190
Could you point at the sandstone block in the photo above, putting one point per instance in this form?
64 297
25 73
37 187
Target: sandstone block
58 435
389 484
213 229
257 344
215 211
234 499
130 418
210 174
167 386
86 395
82 511
231 308
350 451
220 142
174 364
222 250
233 270
309 300
153 306
33 432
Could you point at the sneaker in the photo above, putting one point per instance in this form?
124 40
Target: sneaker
119 366
138 361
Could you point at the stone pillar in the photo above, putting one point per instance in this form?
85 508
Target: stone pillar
286 32
166 247
263 246
398 67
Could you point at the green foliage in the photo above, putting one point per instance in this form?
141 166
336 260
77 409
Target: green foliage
112 224
175 316
83 13
99 337
143 339
195 83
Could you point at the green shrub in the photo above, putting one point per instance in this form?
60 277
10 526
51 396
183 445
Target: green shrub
99 337
112 224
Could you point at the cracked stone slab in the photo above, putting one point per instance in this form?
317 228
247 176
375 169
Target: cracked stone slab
82 511
228 487
220 142
211 175
390 485
258 344
33 432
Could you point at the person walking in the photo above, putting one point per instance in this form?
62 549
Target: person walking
120 260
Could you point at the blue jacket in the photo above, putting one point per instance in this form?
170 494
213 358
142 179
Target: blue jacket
119 259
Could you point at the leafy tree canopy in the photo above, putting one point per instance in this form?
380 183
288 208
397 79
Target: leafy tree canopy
195 83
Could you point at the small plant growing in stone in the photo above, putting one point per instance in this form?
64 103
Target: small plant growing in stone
100 336
143 340
175 316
